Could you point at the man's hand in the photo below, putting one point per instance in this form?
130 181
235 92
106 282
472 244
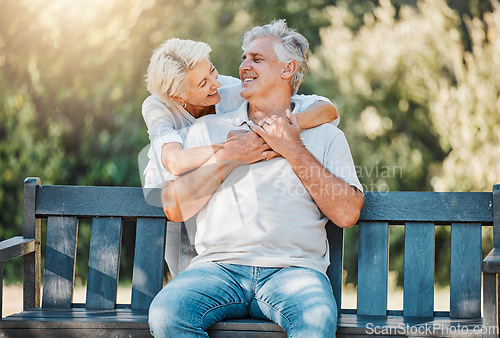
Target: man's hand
282 134
246 147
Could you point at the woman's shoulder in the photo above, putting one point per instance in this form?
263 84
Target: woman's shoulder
153 100
153 108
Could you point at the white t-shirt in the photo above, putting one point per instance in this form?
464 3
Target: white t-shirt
262 215
168 123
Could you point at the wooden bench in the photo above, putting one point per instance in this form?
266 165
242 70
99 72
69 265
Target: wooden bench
109 207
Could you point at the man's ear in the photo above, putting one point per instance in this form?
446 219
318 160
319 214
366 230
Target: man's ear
289 69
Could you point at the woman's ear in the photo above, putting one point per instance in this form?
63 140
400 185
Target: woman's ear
289 69
177 98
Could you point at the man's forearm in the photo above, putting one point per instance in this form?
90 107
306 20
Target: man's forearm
339 201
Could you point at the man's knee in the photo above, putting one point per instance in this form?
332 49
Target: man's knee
166 312
323 314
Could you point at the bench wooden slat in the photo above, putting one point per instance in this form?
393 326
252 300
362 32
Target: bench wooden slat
248 324
32 230
465 271
397 326
104 261
148 262
335 237
419 270
77 332
496 216
349 325
372 268
394 207
15 247
490 293
491 263
398 207
105 316
94 201
60 258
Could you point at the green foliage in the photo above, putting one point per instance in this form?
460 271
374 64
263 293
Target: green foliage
412 96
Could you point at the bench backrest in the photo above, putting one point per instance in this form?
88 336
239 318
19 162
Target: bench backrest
108 207
419 213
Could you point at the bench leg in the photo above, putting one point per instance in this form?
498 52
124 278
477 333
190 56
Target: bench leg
1 289
490 294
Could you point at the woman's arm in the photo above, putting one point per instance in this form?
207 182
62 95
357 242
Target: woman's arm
316 114
179 161
186 195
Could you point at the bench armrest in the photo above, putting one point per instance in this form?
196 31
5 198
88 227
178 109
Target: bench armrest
16 247
491 263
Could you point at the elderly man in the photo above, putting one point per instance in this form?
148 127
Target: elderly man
261 239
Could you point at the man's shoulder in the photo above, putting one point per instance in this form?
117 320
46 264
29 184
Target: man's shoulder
213 120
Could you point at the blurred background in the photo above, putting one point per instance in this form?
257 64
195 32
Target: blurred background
417 84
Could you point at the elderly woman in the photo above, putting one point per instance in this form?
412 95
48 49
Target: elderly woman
184 85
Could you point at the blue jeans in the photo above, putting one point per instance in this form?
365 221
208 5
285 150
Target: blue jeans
300 300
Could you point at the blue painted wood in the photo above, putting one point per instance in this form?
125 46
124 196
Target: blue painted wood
335 237
60 257
1 288
32 229
496 216
419 270
398 207
465 272
490 300
395 207
104 261
148 262
94 201
372 268
491 263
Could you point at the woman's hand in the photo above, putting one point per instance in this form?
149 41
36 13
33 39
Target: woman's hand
245 147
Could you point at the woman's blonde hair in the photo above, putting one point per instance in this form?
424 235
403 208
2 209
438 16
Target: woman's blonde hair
290 45
169 65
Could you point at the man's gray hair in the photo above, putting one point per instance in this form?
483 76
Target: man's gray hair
293 46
